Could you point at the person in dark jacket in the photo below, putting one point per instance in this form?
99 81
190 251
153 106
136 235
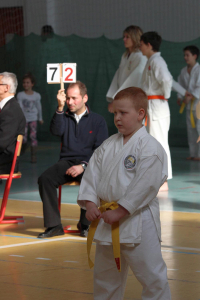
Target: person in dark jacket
12 121
81 132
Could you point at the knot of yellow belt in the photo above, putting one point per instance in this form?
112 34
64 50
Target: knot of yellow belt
115 234
191 112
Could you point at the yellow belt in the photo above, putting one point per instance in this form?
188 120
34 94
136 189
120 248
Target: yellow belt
191 112
115 234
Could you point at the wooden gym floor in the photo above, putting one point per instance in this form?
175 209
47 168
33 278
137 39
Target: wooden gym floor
57 268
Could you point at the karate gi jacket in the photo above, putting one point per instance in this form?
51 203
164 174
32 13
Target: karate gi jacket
157 80
130 175
191 82
128 74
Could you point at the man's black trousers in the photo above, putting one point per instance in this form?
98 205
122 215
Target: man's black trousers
48 182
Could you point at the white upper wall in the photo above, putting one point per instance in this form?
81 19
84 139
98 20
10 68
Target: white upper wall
175 20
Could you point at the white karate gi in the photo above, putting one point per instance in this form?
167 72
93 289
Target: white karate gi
191 82
157 80
128 74
131 175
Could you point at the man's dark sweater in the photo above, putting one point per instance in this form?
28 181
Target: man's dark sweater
79 140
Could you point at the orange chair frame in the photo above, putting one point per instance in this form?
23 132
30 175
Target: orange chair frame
67 229
9 177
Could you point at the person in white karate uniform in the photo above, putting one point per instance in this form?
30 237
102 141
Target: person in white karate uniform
189 78
127 170
157 83
131 66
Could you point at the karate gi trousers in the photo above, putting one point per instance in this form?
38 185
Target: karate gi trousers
145 260
193 134
159 130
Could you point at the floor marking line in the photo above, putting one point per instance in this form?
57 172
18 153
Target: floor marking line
184 212
40 242
22 200
66 219
69 219
83 239
181 252
181 248
24 192
36 201
18 236
47 288
71 261
185 188
43 258
182 280
16 255
25 212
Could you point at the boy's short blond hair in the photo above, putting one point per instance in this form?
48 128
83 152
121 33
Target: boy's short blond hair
136 95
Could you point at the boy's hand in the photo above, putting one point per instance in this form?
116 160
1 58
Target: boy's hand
188 97
179 101
75 170
112 216
41 122
198 140
61 97
92 212
186 100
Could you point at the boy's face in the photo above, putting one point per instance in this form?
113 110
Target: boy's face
126 118
146 49
190 59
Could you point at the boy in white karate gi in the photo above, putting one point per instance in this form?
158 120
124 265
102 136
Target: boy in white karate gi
157 83
124 174
189 78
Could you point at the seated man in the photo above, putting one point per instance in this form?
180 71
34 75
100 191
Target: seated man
81 132
12 121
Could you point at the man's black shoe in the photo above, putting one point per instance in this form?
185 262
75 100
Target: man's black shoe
51 231
83 229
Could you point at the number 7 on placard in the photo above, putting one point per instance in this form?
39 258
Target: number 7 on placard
53 73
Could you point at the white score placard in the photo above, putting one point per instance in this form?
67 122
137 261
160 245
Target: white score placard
69 72
53 73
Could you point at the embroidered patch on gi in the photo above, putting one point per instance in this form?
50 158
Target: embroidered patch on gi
130 162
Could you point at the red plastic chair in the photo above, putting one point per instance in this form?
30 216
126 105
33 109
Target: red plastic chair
67 229
9 177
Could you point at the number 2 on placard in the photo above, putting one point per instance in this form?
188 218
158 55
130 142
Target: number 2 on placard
70 73
55 69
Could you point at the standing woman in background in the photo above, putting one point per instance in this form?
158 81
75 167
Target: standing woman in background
131 67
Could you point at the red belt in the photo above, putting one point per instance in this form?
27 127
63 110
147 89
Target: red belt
153 97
